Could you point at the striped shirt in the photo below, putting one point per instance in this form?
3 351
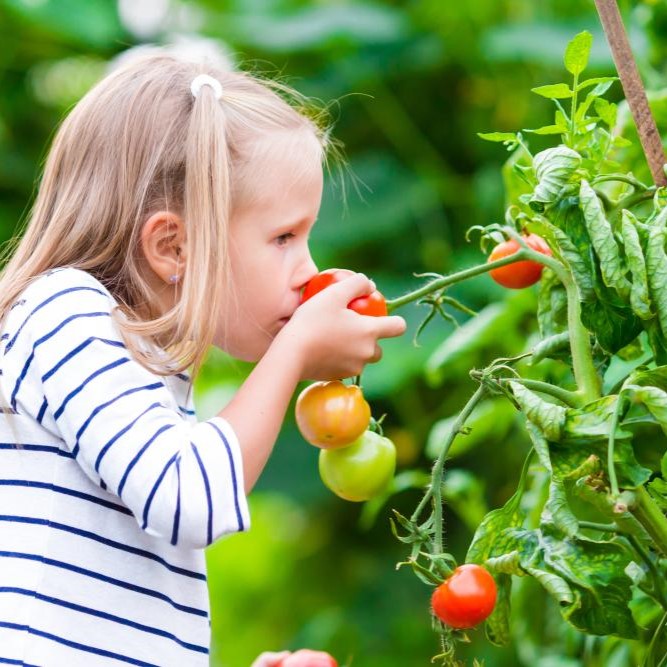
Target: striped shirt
117 488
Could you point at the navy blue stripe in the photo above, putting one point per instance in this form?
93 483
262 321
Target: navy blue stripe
209 528
105 615
186 411
42 410
104 540
177 515
79 348
90 378
134 461
99 408
43 339
77 645
147 506
233 471
109 580
69 492
125 429
46 302
52 449
10 661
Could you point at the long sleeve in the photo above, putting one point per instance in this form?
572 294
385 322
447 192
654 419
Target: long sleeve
182 480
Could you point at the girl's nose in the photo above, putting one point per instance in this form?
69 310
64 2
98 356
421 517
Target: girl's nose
307 270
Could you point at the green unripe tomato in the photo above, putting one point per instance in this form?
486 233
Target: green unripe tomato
361 470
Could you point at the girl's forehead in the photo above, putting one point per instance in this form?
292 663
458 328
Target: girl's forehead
281 166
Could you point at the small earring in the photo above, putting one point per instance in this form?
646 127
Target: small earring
174 279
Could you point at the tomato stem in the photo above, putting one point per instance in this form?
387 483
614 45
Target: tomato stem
651 517
570 398
436 476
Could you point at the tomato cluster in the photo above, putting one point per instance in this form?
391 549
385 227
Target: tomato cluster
355 462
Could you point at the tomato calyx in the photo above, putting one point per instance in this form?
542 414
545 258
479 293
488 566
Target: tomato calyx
373 304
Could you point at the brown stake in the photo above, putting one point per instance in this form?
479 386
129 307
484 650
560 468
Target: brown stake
633 87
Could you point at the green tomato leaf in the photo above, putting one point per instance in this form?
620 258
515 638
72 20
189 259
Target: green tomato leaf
577 52
556 91
553 169
656 267
585 432
604 243
498 136
595 81
639 295
587 578
549 418
557 509
549 129
607 112
551 305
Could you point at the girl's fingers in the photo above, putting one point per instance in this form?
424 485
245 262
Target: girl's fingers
390 326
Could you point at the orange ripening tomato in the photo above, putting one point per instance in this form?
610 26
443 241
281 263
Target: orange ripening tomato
331 414
466 598
519 274
373 304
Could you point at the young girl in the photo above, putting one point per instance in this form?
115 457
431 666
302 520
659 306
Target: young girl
173 213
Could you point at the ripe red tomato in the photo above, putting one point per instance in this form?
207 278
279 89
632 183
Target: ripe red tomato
307 658
373 304
519 274
361 470
331 414
466 598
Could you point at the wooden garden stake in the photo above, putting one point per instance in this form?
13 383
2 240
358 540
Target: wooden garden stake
633 88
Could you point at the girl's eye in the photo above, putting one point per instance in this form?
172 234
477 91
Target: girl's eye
284 238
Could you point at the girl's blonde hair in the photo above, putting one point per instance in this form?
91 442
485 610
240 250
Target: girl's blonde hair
140 142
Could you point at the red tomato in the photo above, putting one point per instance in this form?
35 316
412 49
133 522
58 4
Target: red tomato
307 658
331 414
466 598
519 274
361 470
373 304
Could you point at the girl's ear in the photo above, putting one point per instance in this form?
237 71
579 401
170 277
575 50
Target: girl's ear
163 243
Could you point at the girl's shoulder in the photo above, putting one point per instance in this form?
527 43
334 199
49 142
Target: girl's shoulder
62 280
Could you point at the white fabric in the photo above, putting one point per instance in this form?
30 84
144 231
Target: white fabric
106 508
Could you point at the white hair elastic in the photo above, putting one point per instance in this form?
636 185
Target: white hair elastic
206 80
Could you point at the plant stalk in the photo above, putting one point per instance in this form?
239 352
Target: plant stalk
650 516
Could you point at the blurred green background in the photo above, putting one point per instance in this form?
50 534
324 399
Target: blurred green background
409 84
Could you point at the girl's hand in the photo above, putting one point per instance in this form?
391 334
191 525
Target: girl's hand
270 659
302 658
329 340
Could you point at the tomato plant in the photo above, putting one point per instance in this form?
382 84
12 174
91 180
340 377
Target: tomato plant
588 517
361 470
374 304
466 598
308 658
518 274
331 414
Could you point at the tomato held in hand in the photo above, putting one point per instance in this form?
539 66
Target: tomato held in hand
361 470
466 598
331 414
307 658
518 274
373 304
